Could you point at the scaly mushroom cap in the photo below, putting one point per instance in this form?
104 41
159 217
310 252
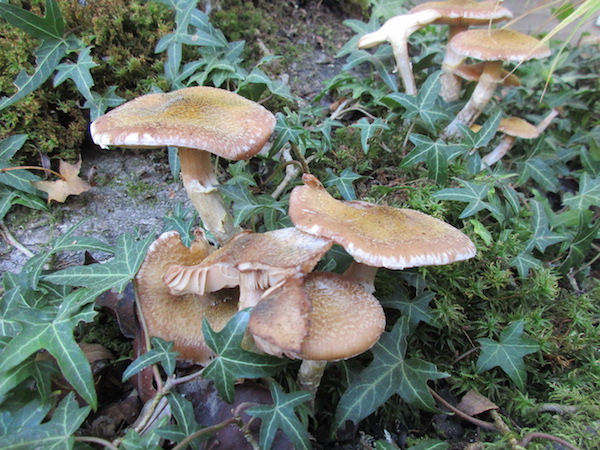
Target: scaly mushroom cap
472 72
378 236
203 118
498 45
516 127
265 259
179 319
343 319
466 12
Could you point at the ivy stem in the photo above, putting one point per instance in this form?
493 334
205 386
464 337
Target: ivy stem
53 172
11 240
458 412
96 440
527 438
300 157
280 167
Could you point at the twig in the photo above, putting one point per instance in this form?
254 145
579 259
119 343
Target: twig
11 240
8 169
96 440
206 430
523 442
458 412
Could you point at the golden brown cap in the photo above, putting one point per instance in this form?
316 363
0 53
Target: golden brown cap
379 236
466 12
514 126
343 319
203 118
498 45
179 318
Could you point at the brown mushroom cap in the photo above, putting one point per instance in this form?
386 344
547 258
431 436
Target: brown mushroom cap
498 45
379 236
204 118
466 12
179 318
344 320
265 259
514 126
472 72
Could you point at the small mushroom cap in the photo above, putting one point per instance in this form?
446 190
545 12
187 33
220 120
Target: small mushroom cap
466 12
498 45
203 118
514 126
344 320
179 319
472 72
268 258
379 236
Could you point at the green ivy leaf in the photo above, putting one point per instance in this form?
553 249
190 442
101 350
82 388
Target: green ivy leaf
541 172
542 236
368 130
524 262
477 139
233 362
53 331
588 195
48 55
582 241
389 373
78 72
17 179
471 193
183 412
285 132
29 432
183 220
50 27
507 353
159 353
246 205
98 104
343 182
281 415
40 371
415 310
114 274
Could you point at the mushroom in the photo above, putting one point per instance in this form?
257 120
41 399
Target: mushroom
459 15
179 318
374 235
494 47
472 72
344 320
198 121
254 261
396 31
513 128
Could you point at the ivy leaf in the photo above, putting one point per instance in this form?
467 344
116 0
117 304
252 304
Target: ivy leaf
285 132
246 205
26 432
159 353
115 274
40 371
50 27
582 241
542 236
507 353
477 139
183 412
47 56
183 220
98 104
368 130
343 182
78 72
541 172
232 361
524 262
436 154
389 373
17 179
588 195
471 193
281 415
53 331
415 310
424 105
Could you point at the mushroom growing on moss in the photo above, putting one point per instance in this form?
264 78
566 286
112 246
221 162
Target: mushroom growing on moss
493 47
179 318
344 320
374 235
198 121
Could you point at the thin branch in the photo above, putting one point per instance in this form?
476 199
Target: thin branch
529 437
11 240
458 412
96 440
8 169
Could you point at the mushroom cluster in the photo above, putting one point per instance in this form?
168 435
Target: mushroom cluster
491 47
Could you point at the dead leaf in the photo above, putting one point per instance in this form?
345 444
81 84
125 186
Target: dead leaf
473 404
59 190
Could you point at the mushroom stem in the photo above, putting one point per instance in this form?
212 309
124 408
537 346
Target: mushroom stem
404 68
495 155
492 74
363 274
450 83
201 184
310 374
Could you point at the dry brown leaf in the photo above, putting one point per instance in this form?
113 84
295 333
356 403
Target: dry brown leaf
473 404
59 190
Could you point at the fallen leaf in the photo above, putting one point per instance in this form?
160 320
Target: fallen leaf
473 404
59 190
